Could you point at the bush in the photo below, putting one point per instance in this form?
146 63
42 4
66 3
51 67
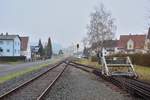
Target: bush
94 59
12 58
137 59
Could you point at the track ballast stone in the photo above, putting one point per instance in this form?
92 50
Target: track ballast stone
35 88
76 84
8 85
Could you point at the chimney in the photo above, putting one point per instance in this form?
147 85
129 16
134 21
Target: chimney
6 33
1 33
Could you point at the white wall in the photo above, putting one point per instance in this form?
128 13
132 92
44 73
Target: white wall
17 46
7 47
130 45
10 47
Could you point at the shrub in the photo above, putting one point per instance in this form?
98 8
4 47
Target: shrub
94 59
12 58
137 59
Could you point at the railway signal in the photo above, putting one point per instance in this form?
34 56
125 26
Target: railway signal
77 46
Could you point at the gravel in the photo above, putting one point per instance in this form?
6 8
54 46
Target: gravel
8 85
35 89
76 84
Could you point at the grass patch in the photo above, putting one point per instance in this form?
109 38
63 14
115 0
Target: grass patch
19 73
143 72
11 62
88 62
15 63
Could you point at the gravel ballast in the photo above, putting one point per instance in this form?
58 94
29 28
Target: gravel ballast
34 89
8 85
76 84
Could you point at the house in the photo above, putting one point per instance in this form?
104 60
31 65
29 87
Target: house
10 45
132 44
109 45
34 52
147 44
25 47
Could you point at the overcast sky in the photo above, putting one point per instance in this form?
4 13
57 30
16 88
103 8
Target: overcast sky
65 21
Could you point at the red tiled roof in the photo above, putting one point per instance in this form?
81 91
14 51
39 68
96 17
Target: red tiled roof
139 41
24 43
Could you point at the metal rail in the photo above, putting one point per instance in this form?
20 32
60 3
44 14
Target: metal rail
29 81
137 87
86 66
77 66
133 86
52 84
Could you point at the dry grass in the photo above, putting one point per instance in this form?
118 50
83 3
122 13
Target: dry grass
142 71
88 62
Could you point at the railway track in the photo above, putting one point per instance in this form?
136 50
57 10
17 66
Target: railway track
37 87
82 67
135 87
132 86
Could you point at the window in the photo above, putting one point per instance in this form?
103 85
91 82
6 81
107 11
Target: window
1 50
1 42
130 46
8 50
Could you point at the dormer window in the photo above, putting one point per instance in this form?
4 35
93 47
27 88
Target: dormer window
130 45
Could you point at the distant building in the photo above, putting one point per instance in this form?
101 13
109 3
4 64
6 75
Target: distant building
25 47
132 43
147 44
34 52
109 45
10 45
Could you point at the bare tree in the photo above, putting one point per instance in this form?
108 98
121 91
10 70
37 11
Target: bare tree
85 41
101 26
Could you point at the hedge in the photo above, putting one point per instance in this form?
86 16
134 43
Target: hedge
12 58
94 59
137 59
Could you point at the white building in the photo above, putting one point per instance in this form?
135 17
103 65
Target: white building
25 47
132 43
10 45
